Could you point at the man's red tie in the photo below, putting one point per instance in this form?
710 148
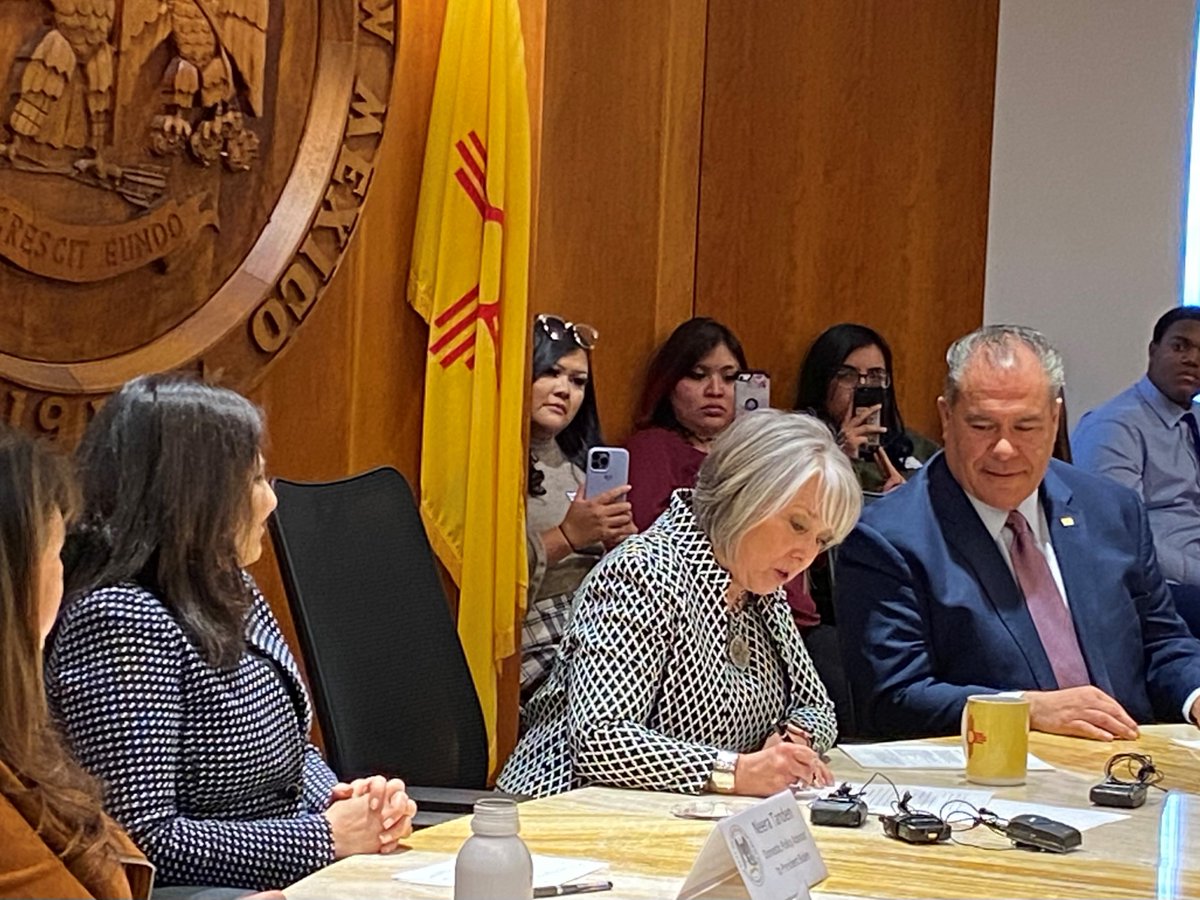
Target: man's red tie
1046 607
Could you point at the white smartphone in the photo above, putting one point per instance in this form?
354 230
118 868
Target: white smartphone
607 468
751 391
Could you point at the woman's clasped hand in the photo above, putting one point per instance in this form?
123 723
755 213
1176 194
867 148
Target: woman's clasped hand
369 815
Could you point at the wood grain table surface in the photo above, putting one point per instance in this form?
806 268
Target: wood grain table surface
1153 853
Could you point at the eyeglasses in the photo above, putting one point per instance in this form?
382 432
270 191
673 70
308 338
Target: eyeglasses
848 376
556 329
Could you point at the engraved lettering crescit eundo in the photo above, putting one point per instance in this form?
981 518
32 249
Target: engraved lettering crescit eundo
128 116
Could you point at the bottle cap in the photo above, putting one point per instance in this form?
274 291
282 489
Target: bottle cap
495 818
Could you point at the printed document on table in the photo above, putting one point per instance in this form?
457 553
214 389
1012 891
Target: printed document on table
920 756
881 798
547 870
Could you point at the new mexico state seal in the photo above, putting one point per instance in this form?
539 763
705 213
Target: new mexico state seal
179 180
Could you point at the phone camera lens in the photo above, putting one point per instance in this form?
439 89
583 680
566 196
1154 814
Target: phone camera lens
600 461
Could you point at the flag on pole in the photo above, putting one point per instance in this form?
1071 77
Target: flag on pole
469 281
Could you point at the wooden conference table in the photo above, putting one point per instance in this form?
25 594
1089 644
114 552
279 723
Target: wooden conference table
1153 853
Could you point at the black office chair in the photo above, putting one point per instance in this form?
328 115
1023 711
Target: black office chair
822 643
388 675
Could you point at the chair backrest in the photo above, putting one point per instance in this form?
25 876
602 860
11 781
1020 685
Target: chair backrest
389 679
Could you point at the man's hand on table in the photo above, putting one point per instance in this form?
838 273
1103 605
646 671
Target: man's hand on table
1085 712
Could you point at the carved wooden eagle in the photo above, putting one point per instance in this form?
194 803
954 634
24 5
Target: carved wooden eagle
75 50
215 43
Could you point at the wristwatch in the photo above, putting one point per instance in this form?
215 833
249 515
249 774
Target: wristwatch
721 779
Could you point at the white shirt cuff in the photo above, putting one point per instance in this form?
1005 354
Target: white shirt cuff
1188 704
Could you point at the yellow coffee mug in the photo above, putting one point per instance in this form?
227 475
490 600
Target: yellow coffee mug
995 734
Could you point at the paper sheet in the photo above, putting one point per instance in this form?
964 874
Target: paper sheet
919 756
547 870
1081 819
881 798
1191 745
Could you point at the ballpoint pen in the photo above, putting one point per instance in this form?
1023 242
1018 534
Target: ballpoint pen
788 732
563 890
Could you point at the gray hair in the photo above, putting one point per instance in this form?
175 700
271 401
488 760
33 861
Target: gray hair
998 343
756 466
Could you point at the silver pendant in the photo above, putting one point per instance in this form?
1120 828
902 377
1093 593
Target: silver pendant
739 651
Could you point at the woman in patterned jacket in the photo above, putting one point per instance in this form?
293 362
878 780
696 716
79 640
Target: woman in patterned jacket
566 531
167 670
681 669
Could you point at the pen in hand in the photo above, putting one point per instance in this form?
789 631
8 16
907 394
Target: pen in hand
563 890
790 733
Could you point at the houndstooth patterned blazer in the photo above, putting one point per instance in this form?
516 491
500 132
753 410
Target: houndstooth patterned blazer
645 691
209 771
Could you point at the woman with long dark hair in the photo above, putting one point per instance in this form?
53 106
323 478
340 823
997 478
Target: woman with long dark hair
839 360
567 532
686 402
167 669
842 358
57 842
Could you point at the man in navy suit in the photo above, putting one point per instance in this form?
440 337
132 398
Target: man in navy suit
998 569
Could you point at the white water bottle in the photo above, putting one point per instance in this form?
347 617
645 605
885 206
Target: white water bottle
494 863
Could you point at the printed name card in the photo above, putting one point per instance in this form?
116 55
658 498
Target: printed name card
768 845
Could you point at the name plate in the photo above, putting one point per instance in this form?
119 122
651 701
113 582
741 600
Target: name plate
769 846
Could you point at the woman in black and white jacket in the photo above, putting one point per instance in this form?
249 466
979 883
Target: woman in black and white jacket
681 668
167 670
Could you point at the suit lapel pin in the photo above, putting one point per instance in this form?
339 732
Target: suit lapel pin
1067 521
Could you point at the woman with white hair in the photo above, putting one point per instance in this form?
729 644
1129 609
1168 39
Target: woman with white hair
681 669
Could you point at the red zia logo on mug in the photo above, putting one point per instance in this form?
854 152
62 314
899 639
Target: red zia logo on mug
973 737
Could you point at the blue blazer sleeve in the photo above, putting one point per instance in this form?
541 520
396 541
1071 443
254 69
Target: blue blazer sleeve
1172 653
115 685
884 629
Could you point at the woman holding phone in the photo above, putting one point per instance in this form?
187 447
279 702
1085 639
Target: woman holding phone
687 401
848 358
566 530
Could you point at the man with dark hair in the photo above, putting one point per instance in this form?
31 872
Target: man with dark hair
1147 439
997 568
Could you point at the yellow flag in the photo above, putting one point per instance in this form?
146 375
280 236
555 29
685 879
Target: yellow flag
469 281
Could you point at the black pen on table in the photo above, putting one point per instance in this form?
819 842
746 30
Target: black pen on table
563 890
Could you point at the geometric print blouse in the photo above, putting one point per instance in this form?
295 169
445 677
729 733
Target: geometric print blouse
655 673
211 772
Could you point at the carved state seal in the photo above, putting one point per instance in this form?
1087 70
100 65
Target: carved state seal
179 180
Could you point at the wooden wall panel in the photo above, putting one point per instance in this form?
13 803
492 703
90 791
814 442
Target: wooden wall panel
844 177
347 394
616 215
778 165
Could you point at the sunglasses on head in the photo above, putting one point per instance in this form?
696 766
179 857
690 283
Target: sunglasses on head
557 329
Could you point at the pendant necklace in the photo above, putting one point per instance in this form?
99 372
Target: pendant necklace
738 648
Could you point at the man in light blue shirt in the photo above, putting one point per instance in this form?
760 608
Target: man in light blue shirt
1147 439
